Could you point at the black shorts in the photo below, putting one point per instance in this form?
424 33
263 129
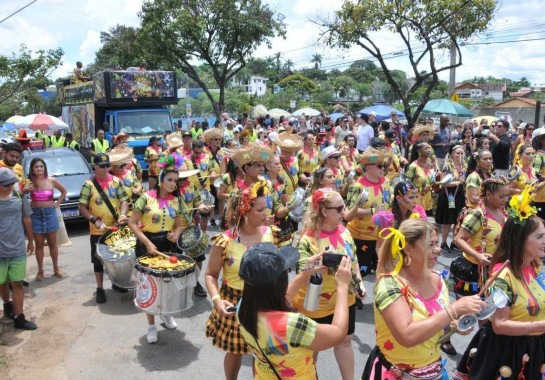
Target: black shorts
327 320
94 241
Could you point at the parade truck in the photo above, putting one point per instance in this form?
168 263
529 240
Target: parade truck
133 102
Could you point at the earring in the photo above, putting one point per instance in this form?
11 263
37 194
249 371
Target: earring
407 260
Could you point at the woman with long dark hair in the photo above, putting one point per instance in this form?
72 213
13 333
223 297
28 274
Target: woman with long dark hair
156 223
421 173
511 345
44 216
479 169
151 156
282 341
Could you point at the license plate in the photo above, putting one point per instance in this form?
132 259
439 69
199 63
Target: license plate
70 213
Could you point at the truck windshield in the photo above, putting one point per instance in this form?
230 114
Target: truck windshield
144 122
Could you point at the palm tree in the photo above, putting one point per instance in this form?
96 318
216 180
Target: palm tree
317 60
288 65
277 57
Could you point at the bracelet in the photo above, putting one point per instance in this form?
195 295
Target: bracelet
448 313
216 297
453 311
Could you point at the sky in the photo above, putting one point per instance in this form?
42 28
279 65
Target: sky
75 25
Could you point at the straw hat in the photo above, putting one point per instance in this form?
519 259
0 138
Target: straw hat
373 156
212 133
254 153
289 141
174 141
121 154
187 173
420 128
120 135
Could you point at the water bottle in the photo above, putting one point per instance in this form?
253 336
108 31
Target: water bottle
313 292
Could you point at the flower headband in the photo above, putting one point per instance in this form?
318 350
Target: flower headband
318 197
520 206
249 196
398 243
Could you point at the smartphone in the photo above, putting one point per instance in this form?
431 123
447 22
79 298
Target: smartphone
331 260
231 309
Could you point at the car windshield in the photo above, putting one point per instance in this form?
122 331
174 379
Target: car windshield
63 165
144 122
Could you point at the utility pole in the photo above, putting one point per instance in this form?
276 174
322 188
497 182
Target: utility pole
452 77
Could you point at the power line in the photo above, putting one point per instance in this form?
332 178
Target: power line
17 11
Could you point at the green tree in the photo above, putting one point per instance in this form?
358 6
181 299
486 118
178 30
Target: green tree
317 60
21 72
288 65
426 27
221 33
120 45
301 84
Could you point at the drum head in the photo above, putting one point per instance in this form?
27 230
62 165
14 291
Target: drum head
189 238
448 179
159 266
114 245
297 198
513 173
207 198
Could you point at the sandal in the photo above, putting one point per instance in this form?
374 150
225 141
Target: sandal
40 276
448 348
58 273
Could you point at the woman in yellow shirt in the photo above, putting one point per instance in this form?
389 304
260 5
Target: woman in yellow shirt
411 306
247 212
511 345
308 159
422 174
526 154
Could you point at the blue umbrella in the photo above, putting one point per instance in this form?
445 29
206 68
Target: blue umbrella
382 111
336 115
8 127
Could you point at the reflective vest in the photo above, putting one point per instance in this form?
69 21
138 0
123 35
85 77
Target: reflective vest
100 147
73 144
57 142
196 133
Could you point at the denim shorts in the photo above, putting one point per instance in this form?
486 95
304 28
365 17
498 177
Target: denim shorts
44 220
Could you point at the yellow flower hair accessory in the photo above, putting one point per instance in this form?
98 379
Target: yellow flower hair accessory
520 205
414 215
398 243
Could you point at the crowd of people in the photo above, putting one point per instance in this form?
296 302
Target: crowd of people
335 201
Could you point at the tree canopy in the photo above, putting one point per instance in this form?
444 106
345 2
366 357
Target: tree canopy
426 27
219 33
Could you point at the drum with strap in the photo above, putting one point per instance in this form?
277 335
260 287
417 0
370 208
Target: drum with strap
163 287
193 241
296 205
116 251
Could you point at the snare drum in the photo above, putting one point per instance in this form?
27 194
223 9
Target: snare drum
116 251
193 241
164 288
207 198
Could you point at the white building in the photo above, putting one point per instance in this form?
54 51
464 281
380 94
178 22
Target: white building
255 85
481 91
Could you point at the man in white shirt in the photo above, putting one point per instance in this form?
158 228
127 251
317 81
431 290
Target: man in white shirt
365 133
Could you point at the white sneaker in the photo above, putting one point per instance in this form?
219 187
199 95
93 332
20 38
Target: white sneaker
169 321
152 334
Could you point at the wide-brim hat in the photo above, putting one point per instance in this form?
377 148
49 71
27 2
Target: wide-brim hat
289 141
329 151
421 128
121 154
536 135
211 134
373 156
254 153
120 135
187 173
174 141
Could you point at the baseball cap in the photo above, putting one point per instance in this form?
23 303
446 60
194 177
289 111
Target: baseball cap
393 113
263 263
372 113
7 177
390 134
186 134
102 159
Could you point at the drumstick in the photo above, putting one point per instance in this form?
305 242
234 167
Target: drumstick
489 282
166 256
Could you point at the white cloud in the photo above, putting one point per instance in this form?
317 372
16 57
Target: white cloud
90 45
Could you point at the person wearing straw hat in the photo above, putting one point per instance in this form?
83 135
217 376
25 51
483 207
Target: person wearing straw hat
120 157
172 157
156 222
213 138
289 144
421 172
134 165
308 159
361 209
190 201
102 208
246 215
207 171
423 133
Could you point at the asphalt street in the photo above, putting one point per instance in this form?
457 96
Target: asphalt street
78 339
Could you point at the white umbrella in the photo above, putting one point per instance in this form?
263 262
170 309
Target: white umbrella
260 110
277 112
307 111
42 122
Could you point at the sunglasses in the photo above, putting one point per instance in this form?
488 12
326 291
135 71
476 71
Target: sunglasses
338 208
103 166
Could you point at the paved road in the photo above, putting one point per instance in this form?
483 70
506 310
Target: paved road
78 339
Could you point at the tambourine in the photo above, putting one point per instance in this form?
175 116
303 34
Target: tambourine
447 180
207 198
296 205
364 196
514 173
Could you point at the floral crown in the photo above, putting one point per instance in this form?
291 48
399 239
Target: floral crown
249 196
520 206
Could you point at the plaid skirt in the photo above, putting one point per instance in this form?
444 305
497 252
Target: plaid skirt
224 331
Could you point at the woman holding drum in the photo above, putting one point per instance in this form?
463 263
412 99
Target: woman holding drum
512 344
247 213
156 222
411 306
